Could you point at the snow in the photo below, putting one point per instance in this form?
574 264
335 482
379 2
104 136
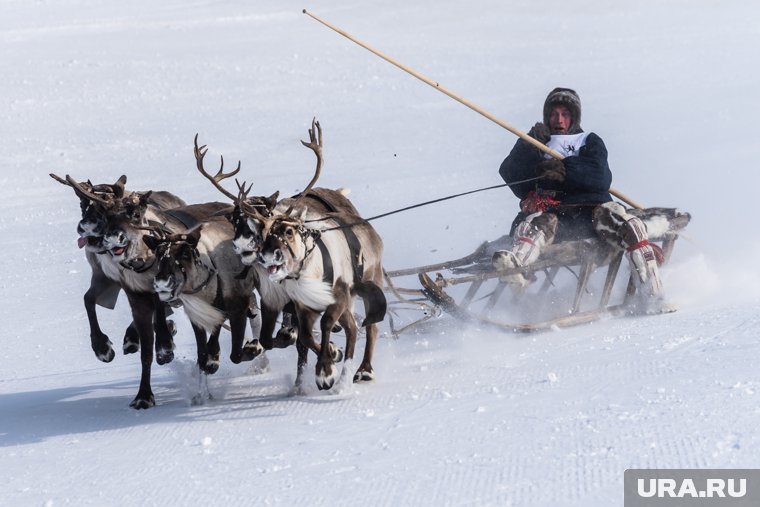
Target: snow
456 415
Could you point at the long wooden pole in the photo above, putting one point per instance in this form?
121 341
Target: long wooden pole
460 99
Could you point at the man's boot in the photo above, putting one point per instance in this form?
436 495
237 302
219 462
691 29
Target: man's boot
622 229
530 237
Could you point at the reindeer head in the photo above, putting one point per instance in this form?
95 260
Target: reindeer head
247 240
95 202
284 243
178 263
126 225
253 218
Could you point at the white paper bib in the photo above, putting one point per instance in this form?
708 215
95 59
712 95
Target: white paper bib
567 145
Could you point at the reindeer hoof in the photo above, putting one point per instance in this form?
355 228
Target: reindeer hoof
336 353
131 348
131 341
364 376
164 356
326 375
143 402
286 337
108 356
104 351
211 365
251 349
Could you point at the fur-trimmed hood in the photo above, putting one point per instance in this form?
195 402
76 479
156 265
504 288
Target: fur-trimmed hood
568 98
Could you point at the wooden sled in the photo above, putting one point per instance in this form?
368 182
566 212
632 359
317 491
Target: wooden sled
469 288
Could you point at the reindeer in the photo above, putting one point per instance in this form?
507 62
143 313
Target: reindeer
247 243
200 269
133 265
321 270
103 290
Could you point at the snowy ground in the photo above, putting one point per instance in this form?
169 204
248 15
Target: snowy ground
457 416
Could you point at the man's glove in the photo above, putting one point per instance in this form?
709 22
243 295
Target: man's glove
551 169
540 133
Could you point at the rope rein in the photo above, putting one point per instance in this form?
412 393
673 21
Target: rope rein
365 220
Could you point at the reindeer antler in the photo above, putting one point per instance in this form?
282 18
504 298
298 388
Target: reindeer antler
242 191
220 174
81 192
59 179
315 145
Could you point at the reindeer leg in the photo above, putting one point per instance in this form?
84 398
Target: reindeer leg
143 307
101 344
303 356
306 319
268 323
365 373
237 314
288 332
348 322
131 340
326 372
164 340
200 346
212 352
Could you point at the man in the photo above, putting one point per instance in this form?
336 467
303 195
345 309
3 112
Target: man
570 199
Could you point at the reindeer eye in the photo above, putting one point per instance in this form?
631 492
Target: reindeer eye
289 233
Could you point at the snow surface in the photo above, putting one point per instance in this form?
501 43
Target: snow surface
457 416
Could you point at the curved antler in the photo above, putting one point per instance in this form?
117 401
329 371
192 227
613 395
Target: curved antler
59 179
242 191
220 175
315 145
81 192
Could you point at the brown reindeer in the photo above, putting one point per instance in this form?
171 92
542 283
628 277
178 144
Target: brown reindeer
104 291
133 265
201 270
321 269
247 243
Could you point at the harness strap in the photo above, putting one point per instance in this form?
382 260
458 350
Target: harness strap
211 273
141 270
526 239
327 204
354 246
658 255
186 218
328 275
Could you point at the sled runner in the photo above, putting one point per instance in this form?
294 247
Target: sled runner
470 290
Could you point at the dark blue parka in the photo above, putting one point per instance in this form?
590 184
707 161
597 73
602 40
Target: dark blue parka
587 182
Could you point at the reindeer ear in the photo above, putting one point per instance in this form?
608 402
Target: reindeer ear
194 236
271 201
118 187
151 242
254 225
302 213
144 198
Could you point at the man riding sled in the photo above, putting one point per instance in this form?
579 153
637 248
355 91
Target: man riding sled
570 200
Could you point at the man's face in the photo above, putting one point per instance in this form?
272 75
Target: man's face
560 120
